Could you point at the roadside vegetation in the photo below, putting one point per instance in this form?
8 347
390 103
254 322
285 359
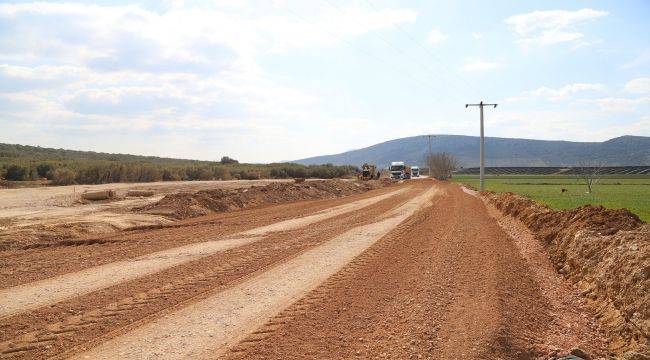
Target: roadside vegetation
441 165
619 191
36 165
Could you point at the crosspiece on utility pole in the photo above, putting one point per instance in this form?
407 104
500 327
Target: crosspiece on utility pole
482 151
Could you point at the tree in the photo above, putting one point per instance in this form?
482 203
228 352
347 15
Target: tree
228 160
44 170
205 174
16 173
589 174
441 165
63 176
221 173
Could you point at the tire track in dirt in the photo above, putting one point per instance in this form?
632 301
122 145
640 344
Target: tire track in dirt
219 320
49 291
447 283
108 312
19 267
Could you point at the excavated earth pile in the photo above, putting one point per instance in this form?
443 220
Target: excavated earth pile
187 205
605 252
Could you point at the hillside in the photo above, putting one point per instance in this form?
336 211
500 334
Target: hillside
26 163
624 150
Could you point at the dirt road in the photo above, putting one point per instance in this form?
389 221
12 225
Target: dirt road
33 213
417 270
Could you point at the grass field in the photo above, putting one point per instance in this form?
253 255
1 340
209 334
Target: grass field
631 192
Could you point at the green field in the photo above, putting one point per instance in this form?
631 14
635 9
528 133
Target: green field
617 191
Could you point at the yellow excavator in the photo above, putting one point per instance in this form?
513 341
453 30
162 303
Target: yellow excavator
368 172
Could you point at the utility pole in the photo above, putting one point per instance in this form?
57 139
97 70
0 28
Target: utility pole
482 151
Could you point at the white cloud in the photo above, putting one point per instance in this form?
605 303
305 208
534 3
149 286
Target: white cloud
551 26
619 104
184 68
639 60
586 43
480 65
638 86
558 94
477 35
436 36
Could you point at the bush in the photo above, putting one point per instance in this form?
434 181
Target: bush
228 160
44 171
63 176
168 175
205 174
221 173
249 175
149 173
16 173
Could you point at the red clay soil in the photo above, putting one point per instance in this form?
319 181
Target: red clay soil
605 252
448 283
19 266
187 205
86 320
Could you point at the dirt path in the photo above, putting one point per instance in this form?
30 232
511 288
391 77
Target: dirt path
208 327
23 266
34 295
103 314
455 287
43 215
401 277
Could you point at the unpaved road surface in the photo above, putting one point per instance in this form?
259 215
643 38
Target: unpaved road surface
416 270
30 212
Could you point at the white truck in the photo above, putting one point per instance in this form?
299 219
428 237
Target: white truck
397 170
415 171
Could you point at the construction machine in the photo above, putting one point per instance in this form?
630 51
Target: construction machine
368 172
407 172
415 171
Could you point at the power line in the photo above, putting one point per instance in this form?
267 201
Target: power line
369 54
401 52
428 51
482 149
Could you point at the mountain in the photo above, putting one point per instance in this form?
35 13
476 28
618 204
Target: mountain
621 151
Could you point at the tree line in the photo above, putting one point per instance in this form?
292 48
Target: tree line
64 167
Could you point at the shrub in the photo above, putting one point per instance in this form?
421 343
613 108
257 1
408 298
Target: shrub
44 171
63 176
250 175
221 173
228 160
16 173
168 175
205 174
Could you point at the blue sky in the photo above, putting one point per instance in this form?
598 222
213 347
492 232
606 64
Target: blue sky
274 80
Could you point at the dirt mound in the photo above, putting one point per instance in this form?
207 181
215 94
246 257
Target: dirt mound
605 252
186 205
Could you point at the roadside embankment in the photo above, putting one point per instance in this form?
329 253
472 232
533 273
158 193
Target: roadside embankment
186 205
53 216
604 252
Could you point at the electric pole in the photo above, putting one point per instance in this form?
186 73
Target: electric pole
482 151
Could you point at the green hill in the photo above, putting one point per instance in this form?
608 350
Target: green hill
22 163
621 151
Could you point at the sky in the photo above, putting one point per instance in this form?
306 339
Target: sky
273 80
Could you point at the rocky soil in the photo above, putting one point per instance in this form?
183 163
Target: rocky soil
187 205
605 253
